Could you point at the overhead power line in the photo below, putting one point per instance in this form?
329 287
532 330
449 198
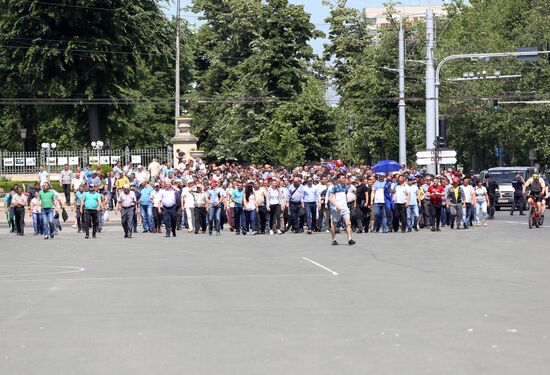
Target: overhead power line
74 6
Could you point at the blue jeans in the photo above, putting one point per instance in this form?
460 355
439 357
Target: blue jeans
467 213
146 216
250 221
380 217
37 223
311 214
412 216
215 212
47 221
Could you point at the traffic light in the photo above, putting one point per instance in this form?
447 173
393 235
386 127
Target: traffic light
496 106
440 142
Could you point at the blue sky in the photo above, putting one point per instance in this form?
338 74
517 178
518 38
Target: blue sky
319 12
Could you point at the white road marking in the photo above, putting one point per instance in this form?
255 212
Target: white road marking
71 270
320 265
183 277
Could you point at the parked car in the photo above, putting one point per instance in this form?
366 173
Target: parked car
504 176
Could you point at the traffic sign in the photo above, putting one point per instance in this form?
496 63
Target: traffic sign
447 161
425 161
424 154
447 154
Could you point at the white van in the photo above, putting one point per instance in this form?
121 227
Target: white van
504 176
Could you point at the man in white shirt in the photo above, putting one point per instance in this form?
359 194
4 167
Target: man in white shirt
43 176
189 204
467 212
402 198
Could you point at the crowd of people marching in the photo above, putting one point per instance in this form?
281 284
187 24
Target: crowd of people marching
253 200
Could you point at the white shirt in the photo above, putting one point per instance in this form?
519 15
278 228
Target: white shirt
274 196
468 191
43 177
188 198
401 193
76 182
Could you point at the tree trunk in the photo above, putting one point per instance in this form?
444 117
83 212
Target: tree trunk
93 122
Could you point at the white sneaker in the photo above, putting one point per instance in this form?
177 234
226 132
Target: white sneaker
279 231
477 223
271 232
327 231
485 223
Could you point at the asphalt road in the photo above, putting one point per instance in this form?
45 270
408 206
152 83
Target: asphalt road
460 302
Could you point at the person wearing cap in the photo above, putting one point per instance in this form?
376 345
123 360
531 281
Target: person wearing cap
120 182
141 174
537 191
168 203
456 202
90 204
414 202
127 207
155 201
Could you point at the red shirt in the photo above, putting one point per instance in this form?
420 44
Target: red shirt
436 199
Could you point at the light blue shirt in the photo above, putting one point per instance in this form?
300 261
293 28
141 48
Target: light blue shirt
311 194
295 197
145 198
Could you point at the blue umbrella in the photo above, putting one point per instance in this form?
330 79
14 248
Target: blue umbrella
386 166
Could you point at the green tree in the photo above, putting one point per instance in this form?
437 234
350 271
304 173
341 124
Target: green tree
252 57
85 49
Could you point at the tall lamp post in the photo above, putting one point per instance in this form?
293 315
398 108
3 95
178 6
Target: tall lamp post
97 146
48 147
23 137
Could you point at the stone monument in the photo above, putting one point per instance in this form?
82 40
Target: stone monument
184 143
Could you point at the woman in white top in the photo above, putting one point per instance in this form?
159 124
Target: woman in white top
274 204
481 203
250 210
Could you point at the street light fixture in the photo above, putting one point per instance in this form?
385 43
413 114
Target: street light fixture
97 146
48 147
23 136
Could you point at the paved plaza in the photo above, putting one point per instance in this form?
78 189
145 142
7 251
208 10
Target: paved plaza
460 302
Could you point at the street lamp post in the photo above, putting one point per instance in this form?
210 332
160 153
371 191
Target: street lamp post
23 137
48 147
97 146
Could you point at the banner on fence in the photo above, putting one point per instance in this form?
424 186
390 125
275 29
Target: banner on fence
93 160
62 160
52 161
136 159
104 160
19 162
115 159
30 162
8 162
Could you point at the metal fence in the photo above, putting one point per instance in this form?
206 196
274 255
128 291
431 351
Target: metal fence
54 160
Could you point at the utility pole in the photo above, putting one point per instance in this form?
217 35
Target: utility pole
430 86
402 108
177 65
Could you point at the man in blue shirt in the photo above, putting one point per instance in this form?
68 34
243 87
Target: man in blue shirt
339 208
295 200
145 206
237 197
215 205
311 203
518 184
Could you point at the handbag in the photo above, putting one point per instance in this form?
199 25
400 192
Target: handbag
64 215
